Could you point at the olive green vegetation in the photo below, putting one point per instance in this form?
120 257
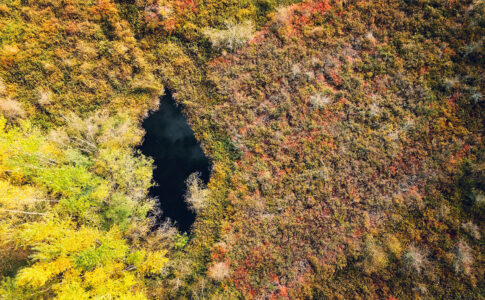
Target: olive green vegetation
346 139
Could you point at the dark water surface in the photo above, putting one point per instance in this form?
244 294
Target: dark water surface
177 154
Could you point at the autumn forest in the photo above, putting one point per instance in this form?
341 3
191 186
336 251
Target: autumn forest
337 149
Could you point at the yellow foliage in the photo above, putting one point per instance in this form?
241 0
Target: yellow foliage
92 262
376 257
101 192
393 245
37 275
72 290
18 204
98 276
110 281
153 263
16 197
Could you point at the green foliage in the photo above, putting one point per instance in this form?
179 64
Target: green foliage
180 241
70 197
89 171
91 262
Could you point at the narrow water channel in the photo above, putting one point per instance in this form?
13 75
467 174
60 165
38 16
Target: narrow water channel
177 154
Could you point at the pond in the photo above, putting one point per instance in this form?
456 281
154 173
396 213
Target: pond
170 141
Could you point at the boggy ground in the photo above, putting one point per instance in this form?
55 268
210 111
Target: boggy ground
359 134
345 136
